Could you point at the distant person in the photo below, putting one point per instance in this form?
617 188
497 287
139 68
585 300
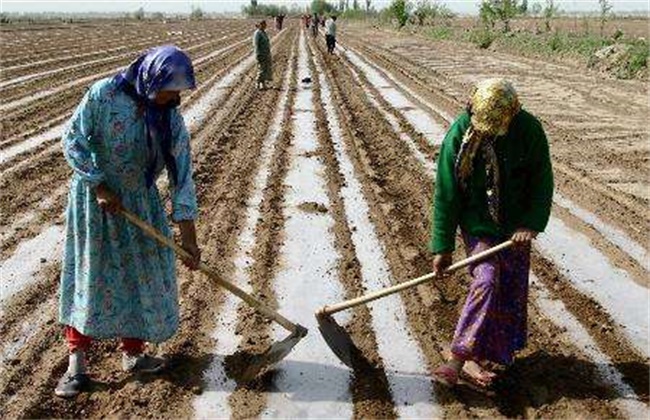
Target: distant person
262 46
495 182
279 20
314 25
116 282
330 34
307 21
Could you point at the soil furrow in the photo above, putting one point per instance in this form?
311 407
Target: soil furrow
33 83
45 45
311 379
41 113
64 65
253 256
370 390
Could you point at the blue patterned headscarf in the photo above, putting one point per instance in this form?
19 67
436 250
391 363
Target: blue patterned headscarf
159 69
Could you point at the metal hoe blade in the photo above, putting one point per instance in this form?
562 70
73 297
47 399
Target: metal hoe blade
261 363
338 340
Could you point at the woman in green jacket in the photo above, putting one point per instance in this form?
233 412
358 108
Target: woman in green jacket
495 182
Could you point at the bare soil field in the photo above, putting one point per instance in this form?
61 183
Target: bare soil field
314 192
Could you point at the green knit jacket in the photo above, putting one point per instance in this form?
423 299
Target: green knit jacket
526 185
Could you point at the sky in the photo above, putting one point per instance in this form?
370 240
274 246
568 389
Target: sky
176 6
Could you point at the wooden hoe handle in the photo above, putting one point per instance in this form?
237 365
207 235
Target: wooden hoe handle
331 309
258 305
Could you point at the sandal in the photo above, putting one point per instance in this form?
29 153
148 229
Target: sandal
446 376
475 373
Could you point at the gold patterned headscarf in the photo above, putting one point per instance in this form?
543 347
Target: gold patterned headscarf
493 104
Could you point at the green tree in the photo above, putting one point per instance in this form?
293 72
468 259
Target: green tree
423 10
400 11
487 14
368 5
255 9
196 13
523 7
139 14
505 11
605 10
251 10
550 11
355 5
322 7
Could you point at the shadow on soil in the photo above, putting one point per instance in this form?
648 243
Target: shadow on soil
531 382
330 374
183 371
542 378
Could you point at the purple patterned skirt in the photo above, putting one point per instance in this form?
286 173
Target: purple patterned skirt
492 325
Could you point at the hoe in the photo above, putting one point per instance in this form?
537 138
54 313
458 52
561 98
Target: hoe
260 362
339 340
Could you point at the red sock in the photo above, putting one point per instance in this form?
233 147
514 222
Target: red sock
76 340
132 345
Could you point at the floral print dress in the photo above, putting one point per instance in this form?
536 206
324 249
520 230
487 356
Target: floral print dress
116 281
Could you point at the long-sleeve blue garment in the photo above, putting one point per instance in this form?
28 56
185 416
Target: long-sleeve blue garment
116 281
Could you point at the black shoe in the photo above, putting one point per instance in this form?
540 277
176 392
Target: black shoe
71 385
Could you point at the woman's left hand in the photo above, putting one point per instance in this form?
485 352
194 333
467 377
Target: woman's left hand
523 237
188 238
195 252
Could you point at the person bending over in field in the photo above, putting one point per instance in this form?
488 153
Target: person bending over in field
116 282
262 46
494 181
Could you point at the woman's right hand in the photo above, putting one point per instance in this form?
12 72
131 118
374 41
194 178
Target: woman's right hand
107 199
441 262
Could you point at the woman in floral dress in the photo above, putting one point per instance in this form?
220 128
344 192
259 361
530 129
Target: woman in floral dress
116 282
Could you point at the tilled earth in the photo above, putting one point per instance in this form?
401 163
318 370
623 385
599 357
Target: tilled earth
336 153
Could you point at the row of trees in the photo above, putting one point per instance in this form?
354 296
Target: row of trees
493 11
418 12
322 7
423 12
195 14
257 9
